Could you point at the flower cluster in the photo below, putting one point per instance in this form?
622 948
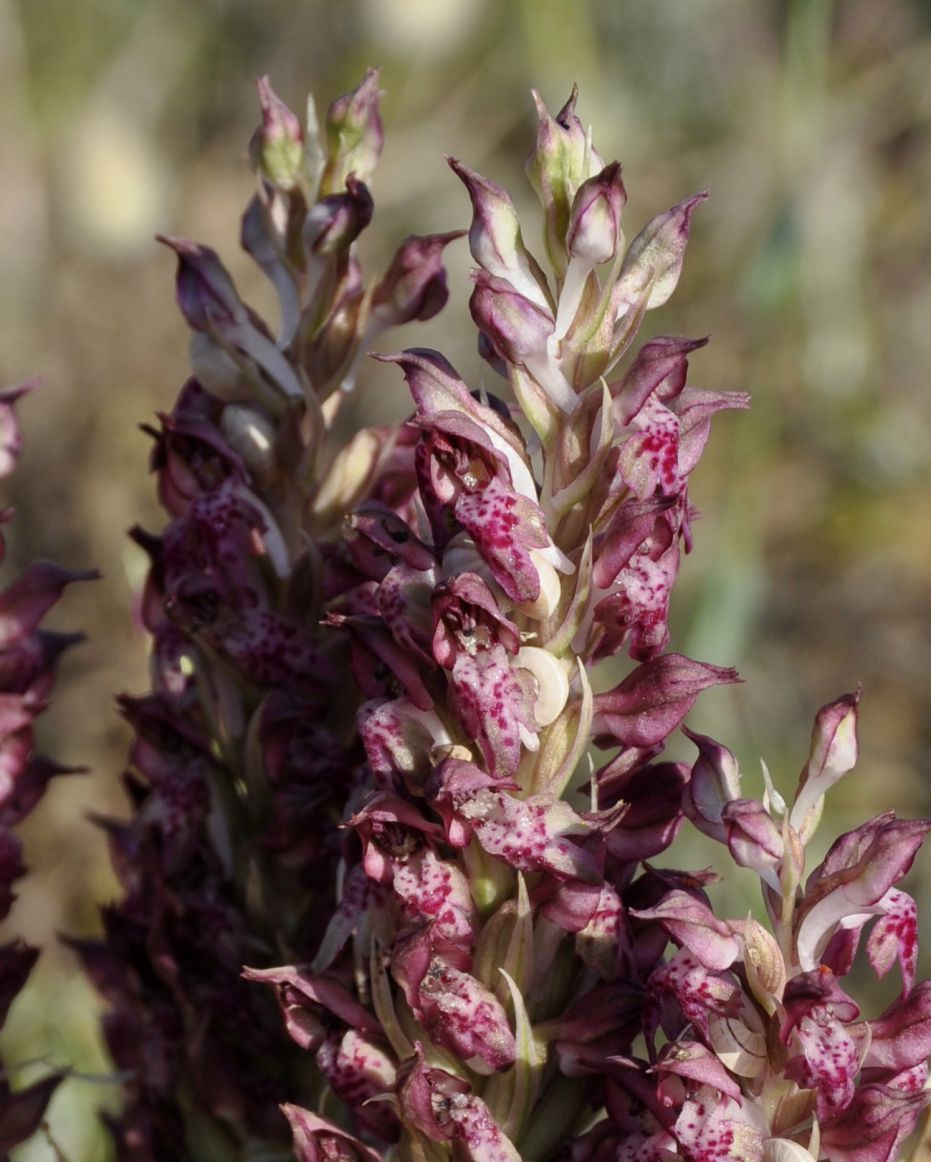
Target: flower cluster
364 775
28 656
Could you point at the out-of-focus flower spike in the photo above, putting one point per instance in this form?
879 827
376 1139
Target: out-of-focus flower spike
833 754
252 435
354 135
330 355
495 240
217 371
349 478
277 147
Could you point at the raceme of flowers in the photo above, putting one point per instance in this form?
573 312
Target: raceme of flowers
28 657
389 878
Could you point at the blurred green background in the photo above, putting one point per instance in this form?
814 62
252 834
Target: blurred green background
809 122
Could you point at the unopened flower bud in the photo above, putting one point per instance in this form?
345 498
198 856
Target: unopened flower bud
205 292
714 783
354 135
414 286
562 159
335 222
594 232
277 146
653 263
753 838
495 239
652 700
516 327
833 754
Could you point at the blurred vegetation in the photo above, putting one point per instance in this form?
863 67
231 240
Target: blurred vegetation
810 123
